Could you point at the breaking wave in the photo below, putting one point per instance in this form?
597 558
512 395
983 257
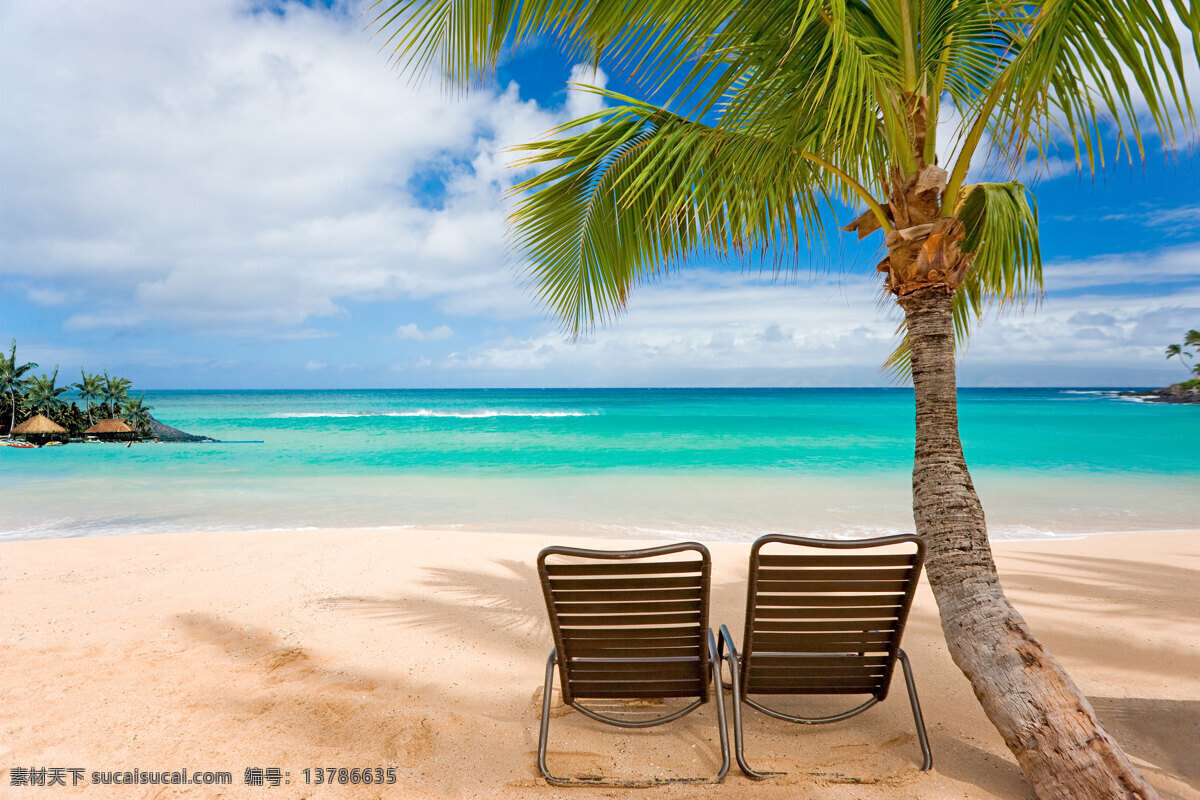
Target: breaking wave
425 412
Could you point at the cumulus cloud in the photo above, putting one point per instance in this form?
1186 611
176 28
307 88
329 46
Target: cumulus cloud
705 323
718 328
581 101
197 166
413 331
1069 342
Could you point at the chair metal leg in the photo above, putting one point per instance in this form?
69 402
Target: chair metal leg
554 780
729 655
544 734
715 662
927 761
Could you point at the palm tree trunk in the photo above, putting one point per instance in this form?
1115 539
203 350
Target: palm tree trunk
1045 720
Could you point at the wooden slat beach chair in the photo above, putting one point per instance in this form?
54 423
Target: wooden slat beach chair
824 618
630 625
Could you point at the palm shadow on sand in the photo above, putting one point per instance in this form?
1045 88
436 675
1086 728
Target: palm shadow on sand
1165 733
503 611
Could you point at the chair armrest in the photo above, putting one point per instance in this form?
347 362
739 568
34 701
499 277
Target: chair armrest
725 644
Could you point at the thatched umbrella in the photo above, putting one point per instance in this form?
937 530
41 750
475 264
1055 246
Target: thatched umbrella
41 429
113 429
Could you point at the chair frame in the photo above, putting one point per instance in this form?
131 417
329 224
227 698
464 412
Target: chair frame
738 665
709 667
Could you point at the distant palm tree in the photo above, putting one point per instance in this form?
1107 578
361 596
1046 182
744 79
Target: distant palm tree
44 395
761 116
137 412
1191 340
114 393
13 380
90 388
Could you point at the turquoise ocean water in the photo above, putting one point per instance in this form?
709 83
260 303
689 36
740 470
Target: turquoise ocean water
711 464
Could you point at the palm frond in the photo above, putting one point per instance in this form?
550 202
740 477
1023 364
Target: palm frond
1001 224
777 109
464 39
636 189
1081 70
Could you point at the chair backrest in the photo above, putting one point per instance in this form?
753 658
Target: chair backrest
826 617
631 623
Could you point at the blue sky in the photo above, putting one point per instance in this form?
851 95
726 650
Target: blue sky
201 194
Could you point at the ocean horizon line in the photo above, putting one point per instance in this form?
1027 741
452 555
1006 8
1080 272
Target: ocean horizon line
1014 387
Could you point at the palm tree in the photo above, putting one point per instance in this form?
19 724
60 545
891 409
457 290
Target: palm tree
758 118
90 387
114 393
1191 339
12 379
137 412
45 396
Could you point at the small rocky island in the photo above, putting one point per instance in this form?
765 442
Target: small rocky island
1187 392
165 433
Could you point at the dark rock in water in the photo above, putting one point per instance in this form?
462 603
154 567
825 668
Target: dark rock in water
166 433
1180 393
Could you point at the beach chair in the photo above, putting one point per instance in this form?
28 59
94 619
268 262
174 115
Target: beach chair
823 618
630 626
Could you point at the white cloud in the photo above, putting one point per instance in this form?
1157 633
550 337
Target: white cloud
1091 339
190 165
718 328
1168 265
580 101
197 166
413 331
704 322
1174 221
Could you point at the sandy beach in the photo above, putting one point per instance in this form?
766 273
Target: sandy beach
424 651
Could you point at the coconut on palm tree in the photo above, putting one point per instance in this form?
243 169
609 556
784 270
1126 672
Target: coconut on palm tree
13 380
759 117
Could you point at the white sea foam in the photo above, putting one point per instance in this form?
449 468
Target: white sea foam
425 412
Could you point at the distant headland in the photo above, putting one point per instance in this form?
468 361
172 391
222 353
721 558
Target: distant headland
1186 392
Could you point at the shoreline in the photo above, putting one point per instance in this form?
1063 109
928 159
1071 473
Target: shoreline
351 647
619 535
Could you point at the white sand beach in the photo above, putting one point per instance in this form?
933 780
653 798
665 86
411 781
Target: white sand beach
425 651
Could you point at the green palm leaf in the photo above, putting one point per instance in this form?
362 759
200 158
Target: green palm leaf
636 189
